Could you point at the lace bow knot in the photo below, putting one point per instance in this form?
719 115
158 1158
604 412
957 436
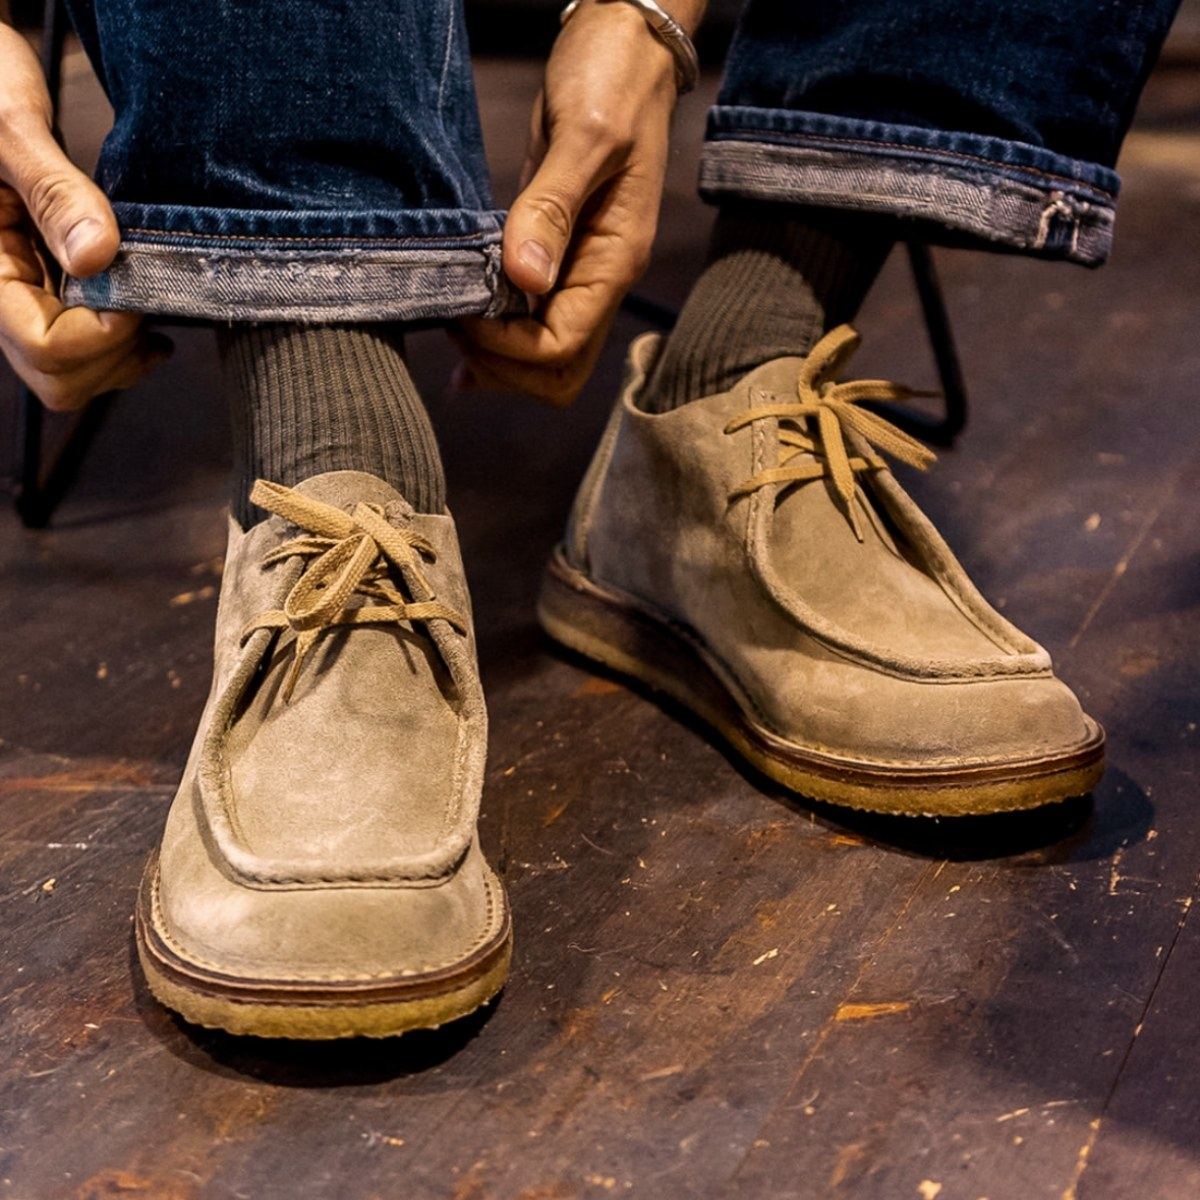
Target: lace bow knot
835 408
352 560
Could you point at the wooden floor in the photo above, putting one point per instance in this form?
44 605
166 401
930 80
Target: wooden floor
718 989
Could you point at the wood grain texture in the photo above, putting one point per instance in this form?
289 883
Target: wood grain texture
718 990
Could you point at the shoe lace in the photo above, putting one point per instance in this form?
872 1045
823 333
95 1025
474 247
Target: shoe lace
346 554
814 428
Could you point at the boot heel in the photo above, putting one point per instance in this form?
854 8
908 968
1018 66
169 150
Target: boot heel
604 628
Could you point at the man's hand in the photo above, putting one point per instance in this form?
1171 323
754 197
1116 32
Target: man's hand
66 355
579 234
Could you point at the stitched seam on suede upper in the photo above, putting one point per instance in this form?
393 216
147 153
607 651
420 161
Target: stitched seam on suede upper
934 671
758 443
957 591
910 151
491 923
454 810
451 818
950 577
709 659
857 650
222 783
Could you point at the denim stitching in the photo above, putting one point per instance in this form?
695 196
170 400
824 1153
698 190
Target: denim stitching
1006 187
756 135
267 237
1069 226
441 96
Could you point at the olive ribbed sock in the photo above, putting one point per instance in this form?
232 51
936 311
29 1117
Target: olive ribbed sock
777 278
311 398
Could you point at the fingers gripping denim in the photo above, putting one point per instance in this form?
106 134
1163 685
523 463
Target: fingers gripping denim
990 120
322 160
293 159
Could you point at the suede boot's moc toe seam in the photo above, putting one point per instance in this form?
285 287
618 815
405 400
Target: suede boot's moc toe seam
1024 658
751 555
320 874
342 1005
684 667
155 919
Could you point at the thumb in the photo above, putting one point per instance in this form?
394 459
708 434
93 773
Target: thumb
71 213
538 230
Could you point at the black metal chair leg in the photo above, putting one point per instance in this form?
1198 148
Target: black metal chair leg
28 467
54 37
39 487
941 431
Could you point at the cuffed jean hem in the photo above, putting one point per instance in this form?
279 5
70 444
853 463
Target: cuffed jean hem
1022 197
308 267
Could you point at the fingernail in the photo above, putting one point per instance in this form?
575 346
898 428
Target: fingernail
531 302
79 237
537 258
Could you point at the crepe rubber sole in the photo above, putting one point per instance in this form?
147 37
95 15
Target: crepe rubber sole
282 1009
610 630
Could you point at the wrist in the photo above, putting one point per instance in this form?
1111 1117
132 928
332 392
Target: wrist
662 25
687 14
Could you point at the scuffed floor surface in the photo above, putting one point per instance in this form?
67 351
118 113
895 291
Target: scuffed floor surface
717 990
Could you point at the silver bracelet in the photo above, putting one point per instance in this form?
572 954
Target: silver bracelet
668 31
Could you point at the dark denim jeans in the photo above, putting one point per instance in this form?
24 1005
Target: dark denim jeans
321 159
991 120
294 159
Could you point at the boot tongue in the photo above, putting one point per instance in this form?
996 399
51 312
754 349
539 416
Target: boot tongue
815 508
809 535
776 378
809 514
809 520
345 489
877 592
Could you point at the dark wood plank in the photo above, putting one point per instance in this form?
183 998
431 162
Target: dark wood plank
716 989
628 1003
1146 1143
981 1048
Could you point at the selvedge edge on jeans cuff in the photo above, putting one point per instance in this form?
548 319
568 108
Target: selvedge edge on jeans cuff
233 266
1023 197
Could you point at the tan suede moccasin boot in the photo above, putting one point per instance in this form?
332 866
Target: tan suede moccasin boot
750 555
320 874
